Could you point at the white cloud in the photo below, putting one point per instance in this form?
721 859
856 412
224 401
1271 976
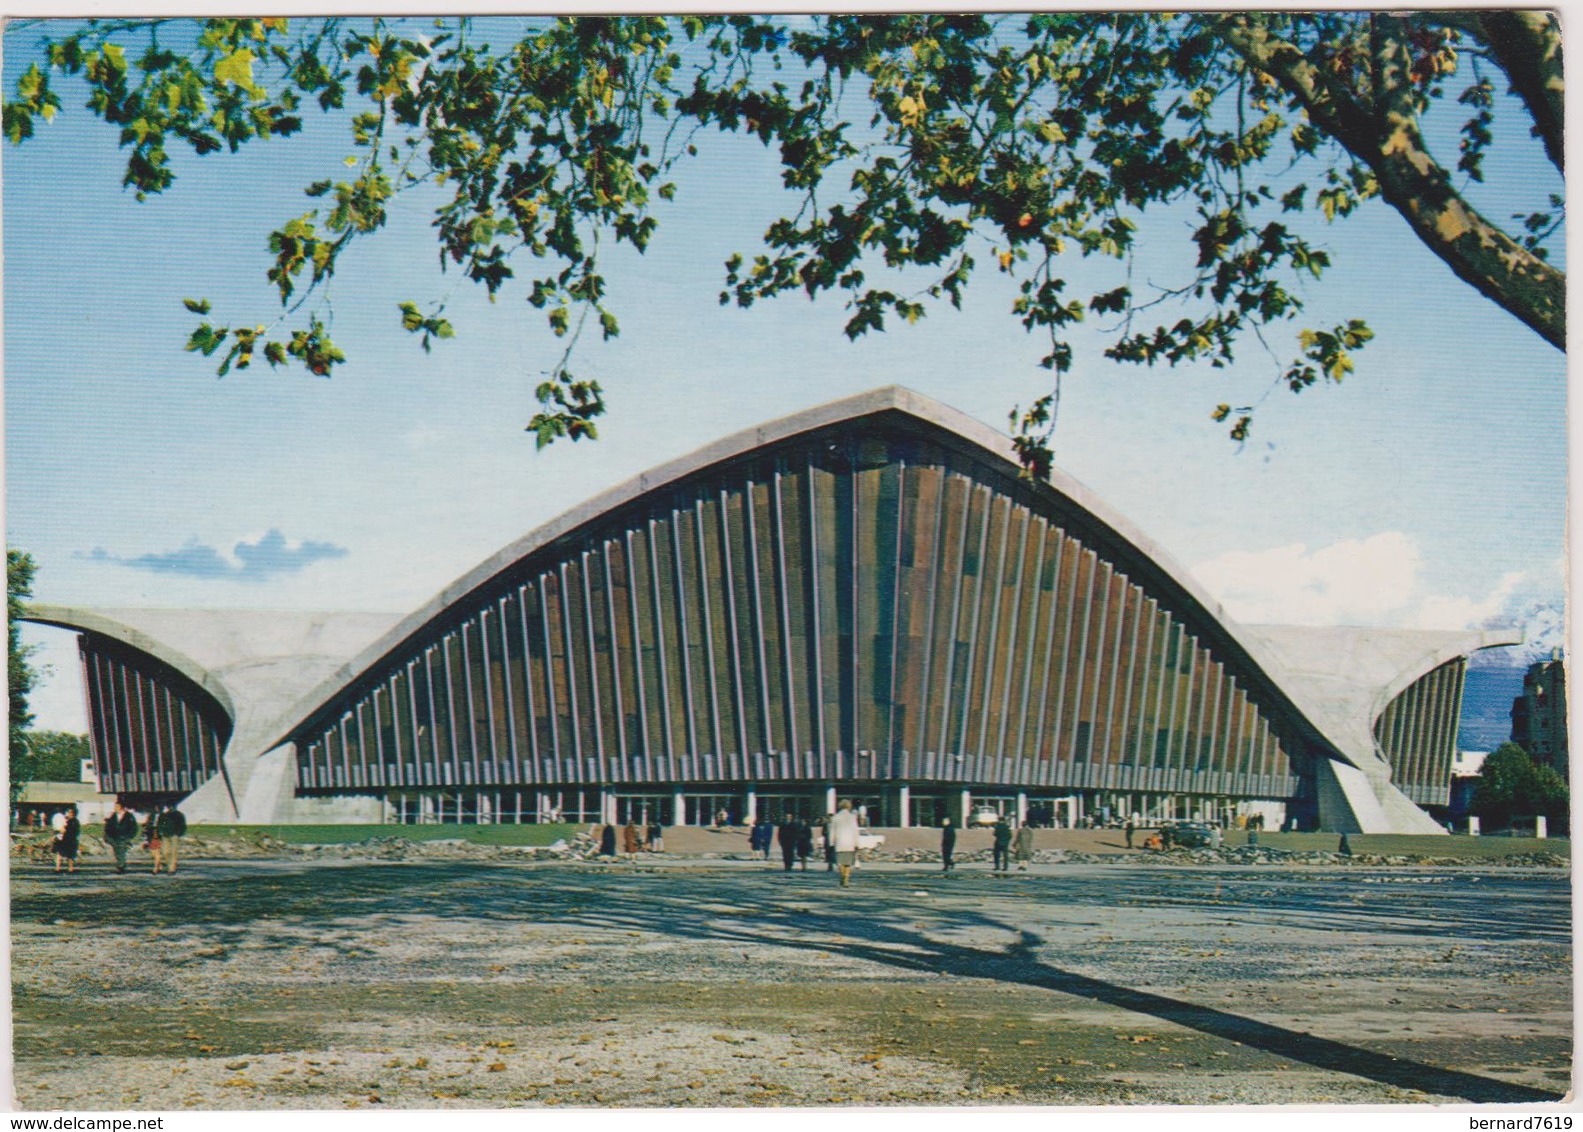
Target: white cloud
1349 582
1438 612
1373 581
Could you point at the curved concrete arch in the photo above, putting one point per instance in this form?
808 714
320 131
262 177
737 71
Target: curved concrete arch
1435 654
105 624
1097 520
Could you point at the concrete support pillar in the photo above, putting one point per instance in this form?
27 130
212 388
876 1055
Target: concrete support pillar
426 809
1022 808
967 808
1541 828
829 799
904 805
679 808
607 807
750 809
1473 826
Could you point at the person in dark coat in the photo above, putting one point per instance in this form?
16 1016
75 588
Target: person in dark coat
804 843
171 828
607 841
787 837
947 846
829 846
656 837
120 830
1002 845
67 841
763 837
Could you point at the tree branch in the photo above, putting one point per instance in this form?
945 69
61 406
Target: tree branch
1390 142
1527 47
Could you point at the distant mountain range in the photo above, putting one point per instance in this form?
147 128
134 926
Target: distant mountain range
1487 706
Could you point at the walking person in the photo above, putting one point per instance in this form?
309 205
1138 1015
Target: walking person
151 838
1002 846
1128 828
656 837
1024 846
947 846
786 838
607 841
843 838
630 842
67 840
804 843
171 828
120 830
829 846
762 837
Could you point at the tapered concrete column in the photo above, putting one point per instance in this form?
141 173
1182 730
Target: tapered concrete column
607 807
903 805
967 808
829 799
1022 808
679 808
751 807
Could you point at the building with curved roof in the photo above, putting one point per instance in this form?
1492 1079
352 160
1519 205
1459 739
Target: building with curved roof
866 597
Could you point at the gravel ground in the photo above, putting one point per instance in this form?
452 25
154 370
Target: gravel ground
344 983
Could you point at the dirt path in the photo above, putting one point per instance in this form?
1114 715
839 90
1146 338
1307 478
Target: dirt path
298 984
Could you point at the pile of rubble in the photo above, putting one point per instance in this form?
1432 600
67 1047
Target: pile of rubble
1237 855
232 846
398 848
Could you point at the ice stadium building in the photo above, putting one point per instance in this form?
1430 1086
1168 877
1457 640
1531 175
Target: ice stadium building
862 599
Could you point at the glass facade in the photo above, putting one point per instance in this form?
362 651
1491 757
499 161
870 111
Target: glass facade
1417 732
152 730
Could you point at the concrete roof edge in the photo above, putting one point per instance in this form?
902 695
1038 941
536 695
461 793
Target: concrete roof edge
103 623
868 403
1454 643
886 397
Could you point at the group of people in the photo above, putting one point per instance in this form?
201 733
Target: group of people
161 832
648 837
1011 843
839 832
1008 843
791 833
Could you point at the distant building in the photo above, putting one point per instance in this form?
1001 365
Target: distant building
1539 715
1464 781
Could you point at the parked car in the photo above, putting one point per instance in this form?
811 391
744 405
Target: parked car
983 815
1195 835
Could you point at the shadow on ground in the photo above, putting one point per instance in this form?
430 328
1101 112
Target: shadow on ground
882 921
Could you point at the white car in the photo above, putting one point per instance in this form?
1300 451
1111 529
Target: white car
983 815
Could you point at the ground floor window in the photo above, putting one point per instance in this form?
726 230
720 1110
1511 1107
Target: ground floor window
877 805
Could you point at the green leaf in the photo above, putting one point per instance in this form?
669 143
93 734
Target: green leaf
196 306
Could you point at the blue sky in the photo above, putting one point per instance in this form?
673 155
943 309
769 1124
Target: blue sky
1428 490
